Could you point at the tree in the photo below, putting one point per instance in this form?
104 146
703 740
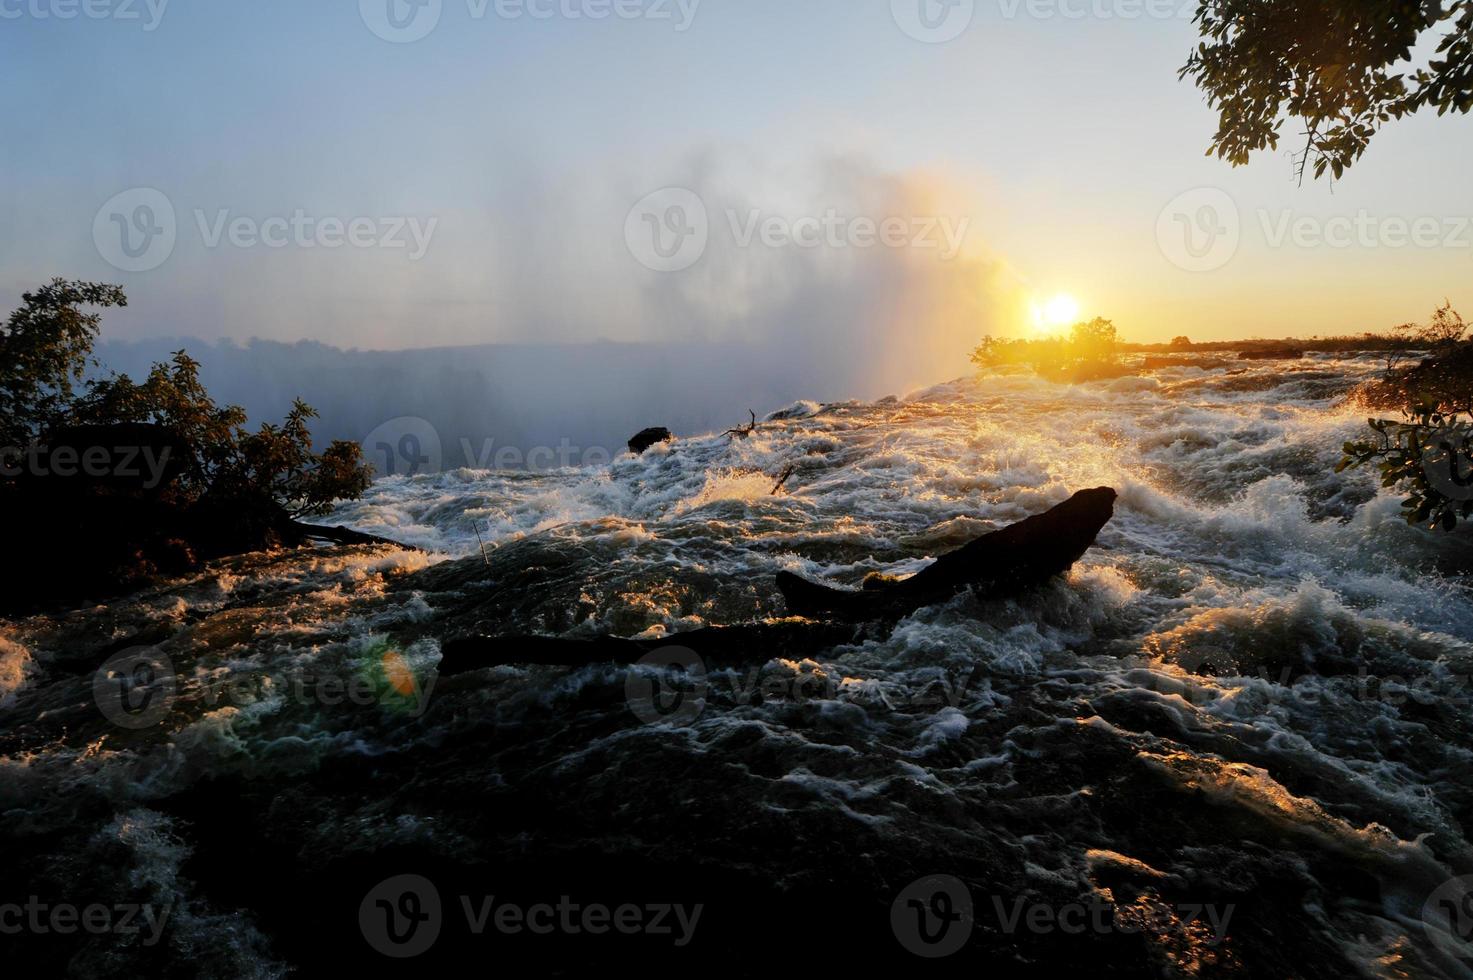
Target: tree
991 353
1442 382
172 396
1444 329
996 352
1181 343
274 466
263 478
1094 341
280 462
1429 452
1089 349
45 348
1342 68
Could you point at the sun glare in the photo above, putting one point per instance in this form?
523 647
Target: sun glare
1060 311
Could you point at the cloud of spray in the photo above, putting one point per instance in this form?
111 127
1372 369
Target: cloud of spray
863 316
758 321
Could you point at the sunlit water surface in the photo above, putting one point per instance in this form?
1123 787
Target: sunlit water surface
1250 694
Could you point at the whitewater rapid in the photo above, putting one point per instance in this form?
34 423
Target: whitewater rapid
1258 645
1228 478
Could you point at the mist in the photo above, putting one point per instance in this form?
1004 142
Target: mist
492 406
794 293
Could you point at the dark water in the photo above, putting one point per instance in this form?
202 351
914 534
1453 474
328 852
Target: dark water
1235 742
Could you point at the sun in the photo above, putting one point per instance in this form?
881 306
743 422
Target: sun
1061 310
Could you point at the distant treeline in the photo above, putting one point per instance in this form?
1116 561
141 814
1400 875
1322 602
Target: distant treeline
1349 342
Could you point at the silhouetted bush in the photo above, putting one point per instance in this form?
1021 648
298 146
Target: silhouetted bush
120 480
274 463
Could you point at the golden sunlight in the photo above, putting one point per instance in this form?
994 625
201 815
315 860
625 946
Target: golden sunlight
1060 311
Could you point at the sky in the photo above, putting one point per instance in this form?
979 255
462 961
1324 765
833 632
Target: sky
848 178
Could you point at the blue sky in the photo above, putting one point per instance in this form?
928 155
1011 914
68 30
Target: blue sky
526 142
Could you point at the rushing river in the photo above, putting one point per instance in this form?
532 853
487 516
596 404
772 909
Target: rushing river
1236 741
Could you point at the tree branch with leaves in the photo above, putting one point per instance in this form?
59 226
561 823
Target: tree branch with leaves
1428 453
1341 68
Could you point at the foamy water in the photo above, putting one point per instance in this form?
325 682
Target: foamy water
1261 647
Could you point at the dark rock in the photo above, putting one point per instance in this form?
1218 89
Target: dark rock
95 510
648 438
1018 557
104 509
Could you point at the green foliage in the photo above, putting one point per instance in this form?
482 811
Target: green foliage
274 466
1090 344
279 460
995 352
1429 452
1093 342
1428 457
1340 67
171 396
1444 381
1444 329
45 348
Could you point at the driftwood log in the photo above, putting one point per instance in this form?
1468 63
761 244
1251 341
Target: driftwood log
743 431
342 535
717 646
1018 557
1006 561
